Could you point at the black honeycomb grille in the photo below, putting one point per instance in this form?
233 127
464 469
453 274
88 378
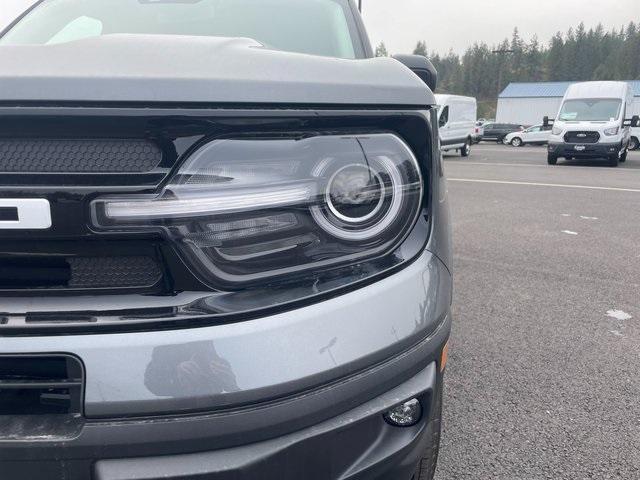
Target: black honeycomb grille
78 156
113 272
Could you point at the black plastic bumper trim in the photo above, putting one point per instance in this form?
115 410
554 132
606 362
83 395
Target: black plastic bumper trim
594 150
288 456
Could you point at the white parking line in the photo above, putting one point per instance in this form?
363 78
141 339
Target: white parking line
493 164
510 149
532 184
537 165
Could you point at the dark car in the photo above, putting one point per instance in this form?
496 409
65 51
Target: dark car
497 131
224 245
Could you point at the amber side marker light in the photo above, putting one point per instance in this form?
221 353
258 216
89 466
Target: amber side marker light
444 356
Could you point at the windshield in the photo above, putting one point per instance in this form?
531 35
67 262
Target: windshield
598 110
317 27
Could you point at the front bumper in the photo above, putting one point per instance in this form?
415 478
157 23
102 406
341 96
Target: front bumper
357 444
294 395
587 150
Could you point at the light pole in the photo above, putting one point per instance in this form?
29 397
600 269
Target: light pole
360 5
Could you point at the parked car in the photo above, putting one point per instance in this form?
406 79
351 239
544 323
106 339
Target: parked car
536 135
592 123
457 117
497 131
221 257
478 132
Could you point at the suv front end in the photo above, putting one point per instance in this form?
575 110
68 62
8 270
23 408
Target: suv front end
234 268
187 370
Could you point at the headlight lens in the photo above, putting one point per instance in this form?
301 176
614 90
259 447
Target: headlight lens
246 210
610 132
556 131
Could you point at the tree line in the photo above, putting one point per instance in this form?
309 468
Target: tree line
483 70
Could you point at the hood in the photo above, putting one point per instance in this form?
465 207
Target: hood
164 68
587 126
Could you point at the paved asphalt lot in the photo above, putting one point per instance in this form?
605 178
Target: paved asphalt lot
542 383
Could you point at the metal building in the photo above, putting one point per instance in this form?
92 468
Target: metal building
528 103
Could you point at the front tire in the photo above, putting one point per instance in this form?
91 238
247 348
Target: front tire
427 467
465 151
623 157
517 142
552 159
634 143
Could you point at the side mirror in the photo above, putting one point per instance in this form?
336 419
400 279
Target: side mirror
634 122
547 122
422 67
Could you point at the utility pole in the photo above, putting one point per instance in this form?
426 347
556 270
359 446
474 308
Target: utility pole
360 5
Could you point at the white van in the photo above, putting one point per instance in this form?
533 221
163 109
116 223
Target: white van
457 120
592 123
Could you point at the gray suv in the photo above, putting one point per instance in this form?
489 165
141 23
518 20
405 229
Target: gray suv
224 245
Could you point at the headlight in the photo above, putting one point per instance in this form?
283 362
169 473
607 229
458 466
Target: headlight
610 132
556 131
248 209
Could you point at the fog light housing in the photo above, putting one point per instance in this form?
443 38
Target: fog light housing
405 415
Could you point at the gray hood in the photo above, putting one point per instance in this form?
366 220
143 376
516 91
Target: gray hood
159 68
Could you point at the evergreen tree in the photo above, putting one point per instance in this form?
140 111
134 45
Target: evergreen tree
555 67
421 49
577 55
631 50
516 72
381 50
533 62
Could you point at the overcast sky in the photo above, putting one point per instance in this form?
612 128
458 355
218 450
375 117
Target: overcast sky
10 8
456 24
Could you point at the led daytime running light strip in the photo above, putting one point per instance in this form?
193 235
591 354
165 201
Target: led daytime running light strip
211 204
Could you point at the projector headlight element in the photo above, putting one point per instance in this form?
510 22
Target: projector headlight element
244 210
